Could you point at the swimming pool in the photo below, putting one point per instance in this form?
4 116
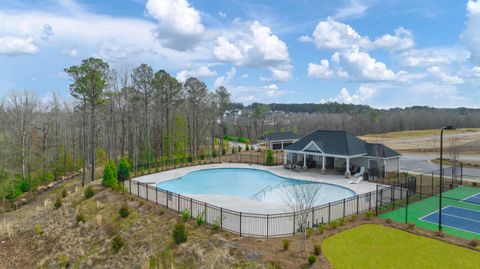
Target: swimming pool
251 184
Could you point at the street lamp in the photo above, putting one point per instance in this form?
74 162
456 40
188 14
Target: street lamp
446 127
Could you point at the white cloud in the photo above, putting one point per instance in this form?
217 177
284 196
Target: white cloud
444 77
256 46
70 52
365 67
225 80
330 34
305 38
362 95
47 32
434 89
115 52
403 39
321 70
433 56
201 71
179 24
354 9
222 14
470 36
226 51
13 45
272 90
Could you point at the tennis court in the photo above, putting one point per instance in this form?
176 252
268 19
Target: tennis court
474 199
456 217
460 212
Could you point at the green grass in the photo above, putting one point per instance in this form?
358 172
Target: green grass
421 208
375 246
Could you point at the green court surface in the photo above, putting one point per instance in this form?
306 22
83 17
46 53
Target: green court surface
420 209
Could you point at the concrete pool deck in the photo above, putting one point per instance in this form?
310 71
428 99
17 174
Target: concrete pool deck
253 206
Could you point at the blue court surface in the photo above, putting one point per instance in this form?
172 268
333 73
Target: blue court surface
474 199
458 218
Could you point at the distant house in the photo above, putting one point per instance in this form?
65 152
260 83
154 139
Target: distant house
341 151
278 140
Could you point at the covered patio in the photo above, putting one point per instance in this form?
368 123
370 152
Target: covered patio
337 152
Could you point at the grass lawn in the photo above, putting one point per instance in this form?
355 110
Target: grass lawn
375 246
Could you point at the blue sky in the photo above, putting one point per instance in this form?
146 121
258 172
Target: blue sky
381 53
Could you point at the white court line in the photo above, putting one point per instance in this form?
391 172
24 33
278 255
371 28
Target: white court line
422 219
464 200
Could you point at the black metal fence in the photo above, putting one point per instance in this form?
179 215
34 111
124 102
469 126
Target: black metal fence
269 225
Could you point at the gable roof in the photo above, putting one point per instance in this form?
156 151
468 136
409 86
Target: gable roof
279 136
341 143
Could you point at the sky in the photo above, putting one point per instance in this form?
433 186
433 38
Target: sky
382 53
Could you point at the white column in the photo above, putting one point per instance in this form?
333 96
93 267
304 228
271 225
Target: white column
284 157
323 165
347 170
282 144
304 160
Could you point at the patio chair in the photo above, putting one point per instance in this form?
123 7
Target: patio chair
360 173
357 181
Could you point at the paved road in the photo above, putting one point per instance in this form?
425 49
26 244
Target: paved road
421 163
427 138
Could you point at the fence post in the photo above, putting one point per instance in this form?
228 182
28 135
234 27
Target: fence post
461 173
205 209
267 225
178 202
130 185
392 197
240 223
191 208
138 189
166 198
376 202
146 191
369 201
156 196
358 201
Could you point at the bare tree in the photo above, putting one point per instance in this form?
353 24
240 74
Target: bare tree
301 198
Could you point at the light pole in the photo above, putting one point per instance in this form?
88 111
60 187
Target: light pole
446 127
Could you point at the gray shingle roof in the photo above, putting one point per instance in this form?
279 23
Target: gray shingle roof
279 136
342 143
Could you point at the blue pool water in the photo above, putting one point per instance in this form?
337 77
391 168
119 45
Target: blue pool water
246 183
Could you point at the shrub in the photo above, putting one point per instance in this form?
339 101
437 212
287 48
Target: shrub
123 170
341 222
353 217
388 221
239 148
333 224
64 193
202 156
312 259
189 159
233 150
179 233
322 228
224 151
109 178
89 192
269 159
247 148
474 184
214 154
24 186
185 215
63 260
58 203
124 211
81 218
37 229
317 249
286 244
200 218
217 224
369 215
309 232
117 243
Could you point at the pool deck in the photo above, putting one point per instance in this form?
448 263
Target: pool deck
252 206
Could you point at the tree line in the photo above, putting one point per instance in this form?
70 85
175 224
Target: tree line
139 114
